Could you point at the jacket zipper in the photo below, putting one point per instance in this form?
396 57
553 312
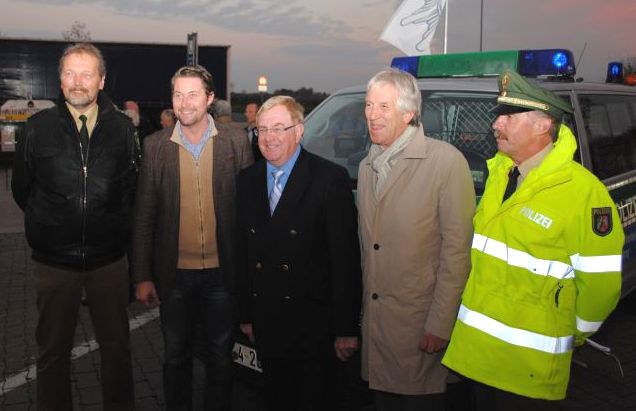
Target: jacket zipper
200 206
83 201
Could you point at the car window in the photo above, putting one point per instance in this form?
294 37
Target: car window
337 130
610 122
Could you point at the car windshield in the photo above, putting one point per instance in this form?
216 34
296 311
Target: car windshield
337 130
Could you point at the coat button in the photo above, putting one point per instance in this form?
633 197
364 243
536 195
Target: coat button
293 232
284 267
252 231
259 266
376 246
374 296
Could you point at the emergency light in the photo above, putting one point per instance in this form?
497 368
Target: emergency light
529 63
614 72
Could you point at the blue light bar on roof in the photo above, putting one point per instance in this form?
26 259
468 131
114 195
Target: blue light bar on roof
530 63
548 62
408 64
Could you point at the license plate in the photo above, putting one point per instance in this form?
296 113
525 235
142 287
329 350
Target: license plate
246 356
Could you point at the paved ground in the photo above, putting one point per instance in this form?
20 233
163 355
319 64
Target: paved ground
596 381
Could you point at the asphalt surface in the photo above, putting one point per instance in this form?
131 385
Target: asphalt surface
596 380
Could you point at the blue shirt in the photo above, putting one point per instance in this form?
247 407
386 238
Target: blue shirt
195 149
287 168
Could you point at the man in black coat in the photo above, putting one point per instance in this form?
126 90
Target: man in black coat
74 176
300 291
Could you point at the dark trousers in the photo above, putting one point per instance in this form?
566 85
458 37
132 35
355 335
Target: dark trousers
487 398
300 384
198 295
58 300
387 401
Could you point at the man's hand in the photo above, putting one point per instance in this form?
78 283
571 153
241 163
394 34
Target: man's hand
147 294
248 331
431 343
345 347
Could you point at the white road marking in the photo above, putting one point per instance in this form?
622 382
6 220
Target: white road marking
28 374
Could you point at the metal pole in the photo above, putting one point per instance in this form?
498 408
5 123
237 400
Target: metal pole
446 28
481 27
192 58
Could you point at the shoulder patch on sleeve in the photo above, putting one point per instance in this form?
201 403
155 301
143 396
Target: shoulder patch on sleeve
602 221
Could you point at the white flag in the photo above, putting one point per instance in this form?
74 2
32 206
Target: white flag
413 25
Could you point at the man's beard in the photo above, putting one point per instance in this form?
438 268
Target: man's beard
80 101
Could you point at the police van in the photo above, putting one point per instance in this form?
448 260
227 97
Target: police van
458 94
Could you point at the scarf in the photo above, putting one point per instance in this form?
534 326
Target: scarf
383 160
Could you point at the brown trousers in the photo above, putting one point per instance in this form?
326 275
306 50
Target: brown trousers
59 293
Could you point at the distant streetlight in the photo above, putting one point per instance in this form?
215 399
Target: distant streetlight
262 86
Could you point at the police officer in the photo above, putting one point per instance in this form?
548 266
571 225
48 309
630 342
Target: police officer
546 258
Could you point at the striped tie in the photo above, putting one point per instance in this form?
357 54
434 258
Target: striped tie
277 190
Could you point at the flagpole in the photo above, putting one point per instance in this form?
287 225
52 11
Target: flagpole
446 28
481 27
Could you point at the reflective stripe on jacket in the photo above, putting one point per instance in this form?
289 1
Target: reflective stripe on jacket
546 272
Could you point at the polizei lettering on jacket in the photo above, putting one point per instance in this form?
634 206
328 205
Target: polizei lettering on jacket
542 220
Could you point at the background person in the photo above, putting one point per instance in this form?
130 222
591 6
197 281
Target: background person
416 201
75 183
167 118
184 243
546 258
141 123
222 111
252 134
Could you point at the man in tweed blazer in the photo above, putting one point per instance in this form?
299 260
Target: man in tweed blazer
184 237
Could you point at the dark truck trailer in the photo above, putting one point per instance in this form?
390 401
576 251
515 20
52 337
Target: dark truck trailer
134 71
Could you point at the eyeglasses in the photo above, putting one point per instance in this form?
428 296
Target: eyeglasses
277 130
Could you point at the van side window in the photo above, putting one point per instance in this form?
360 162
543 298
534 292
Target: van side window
610 123
464 120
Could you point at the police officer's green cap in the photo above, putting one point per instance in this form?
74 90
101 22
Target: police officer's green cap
517 94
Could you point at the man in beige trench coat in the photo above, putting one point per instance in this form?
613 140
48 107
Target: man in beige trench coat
416 202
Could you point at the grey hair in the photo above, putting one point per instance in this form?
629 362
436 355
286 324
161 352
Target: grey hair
167 112
409 96
553 131
222 107
295 109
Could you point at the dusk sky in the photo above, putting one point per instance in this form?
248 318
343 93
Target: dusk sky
331 44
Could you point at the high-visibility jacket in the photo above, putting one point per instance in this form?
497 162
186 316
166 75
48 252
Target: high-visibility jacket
546 272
